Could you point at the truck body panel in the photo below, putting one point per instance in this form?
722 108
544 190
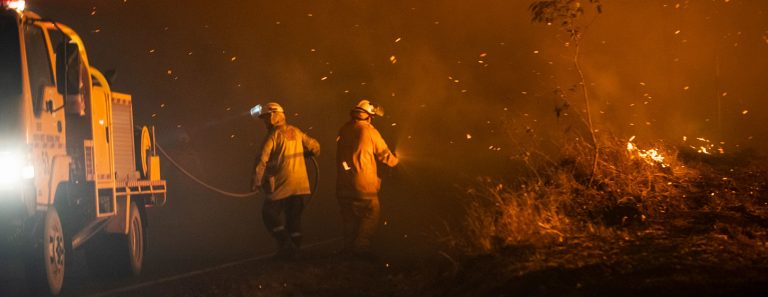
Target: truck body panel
67 141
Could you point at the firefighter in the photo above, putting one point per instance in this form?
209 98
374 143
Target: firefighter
359 147
280 172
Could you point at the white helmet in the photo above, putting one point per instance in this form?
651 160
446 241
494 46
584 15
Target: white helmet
366 106
268 108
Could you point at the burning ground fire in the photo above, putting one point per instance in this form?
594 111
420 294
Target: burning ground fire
651 156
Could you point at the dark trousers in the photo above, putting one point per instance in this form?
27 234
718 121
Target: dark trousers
360 220
272 212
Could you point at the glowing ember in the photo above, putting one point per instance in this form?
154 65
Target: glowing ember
706 147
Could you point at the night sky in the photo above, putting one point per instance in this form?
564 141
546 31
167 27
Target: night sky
463 83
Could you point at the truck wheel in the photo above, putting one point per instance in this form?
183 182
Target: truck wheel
45 266
135 241
118 255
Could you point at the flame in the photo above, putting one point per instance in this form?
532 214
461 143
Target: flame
651 156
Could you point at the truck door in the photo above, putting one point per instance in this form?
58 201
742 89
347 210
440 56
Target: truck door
103 155
48 140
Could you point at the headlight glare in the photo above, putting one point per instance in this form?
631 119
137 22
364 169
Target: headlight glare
28 172
14 167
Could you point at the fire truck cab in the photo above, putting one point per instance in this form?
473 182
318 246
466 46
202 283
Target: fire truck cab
75 171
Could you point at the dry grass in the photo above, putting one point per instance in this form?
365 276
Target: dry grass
691 224
555 202
498 216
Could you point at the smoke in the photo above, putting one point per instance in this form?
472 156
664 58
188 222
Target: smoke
457 78
466 84
664 70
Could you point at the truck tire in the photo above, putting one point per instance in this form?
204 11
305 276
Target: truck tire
47 261
118 255
135 241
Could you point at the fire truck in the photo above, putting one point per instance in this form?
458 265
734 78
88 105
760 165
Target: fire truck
75 170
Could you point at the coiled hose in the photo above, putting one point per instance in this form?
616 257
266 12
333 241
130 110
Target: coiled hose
232 194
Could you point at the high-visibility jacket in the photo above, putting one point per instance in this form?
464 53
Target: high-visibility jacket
280 167
359 146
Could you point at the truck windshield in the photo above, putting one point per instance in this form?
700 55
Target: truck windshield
10 57
10 76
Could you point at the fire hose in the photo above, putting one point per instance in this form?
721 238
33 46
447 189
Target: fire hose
233 194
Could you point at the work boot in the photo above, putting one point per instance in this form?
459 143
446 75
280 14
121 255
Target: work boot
287 250
296 239
285 247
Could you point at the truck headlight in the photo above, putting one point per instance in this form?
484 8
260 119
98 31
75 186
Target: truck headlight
15 167
17 5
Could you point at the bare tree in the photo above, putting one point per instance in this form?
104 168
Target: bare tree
567 14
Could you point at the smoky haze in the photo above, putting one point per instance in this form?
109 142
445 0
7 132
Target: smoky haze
442 69
457 79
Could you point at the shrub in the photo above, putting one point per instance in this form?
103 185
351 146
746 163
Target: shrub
556 201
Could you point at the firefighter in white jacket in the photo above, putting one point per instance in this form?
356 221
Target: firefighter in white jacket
359 148
280 172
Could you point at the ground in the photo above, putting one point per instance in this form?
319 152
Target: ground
712 247
314 273
658 265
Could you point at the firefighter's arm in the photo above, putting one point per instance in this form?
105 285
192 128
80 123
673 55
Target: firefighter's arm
381 150
261 163
310 144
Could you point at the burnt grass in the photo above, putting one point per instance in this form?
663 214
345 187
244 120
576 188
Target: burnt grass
716 245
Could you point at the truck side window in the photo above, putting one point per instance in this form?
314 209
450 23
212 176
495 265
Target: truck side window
38 64
10 58
84 85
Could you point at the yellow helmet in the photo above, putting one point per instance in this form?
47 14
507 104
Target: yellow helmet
366 106
268 108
